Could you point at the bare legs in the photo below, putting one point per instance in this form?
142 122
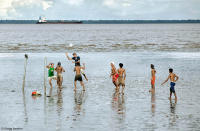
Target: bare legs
175 97
118 88
85 77
171 96
152 88
51 87
123 89
74 85
82 84
59 82
116 85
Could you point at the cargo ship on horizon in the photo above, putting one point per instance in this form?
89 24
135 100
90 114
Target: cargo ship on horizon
42 20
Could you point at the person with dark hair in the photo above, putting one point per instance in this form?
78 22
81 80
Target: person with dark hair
75 58
122 76
173 78
78 76
51 76
76 61
59 69
153 78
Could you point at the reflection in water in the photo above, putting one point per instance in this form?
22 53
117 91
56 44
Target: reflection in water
45 110
118 102
79 99
118 106
153 103
25 111
172 118
59 110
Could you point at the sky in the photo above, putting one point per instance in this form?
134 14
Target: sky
100 9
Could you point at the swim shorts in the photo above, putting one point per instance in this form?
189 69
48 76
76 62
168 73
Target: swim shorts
52 77
78 77
121 81
172 89
59 75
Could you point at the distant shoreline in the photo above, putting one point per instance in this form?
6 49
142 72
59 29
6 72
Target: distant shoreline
106 21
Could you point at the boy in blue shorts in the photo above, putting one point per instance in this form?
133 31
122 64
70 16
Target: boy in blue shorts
173 78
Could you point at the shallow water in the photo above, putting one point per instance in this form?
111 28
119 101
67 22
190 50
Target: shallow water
100 108
99 37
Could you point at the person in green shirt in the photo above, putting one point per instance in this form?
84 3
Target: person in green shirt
51 76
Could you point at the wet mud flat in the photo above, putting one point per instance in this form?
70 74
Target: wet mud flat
100 107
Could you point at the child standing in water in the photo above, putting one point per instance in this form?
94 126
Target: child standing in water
76 61
122 76
51 76
59 69
114 75
78 76
173 78
153 78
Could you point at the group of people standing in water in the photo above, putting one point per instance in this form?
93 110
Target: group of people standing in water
59 69
173 78
118 76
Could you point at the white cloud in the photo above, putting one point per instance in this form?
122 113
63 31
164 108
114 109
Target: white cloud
74 2
100 9
8 7
109 3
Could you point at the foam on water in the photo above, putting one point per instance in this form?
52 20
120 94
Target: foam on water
99 38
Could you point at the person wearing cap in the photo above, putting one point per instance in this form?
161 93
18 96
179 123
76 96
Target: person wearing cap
59 69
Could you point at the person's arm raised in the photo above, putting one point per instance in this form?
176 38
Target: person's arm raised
83 66
63 69
48 66
69 58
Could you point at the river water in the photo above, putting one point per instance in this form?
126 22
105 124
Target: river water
100 107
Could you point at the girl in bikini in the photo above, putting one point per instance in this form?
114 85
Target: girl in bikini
114 75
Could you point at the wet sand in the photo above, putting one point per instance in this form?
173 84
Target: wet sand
100 107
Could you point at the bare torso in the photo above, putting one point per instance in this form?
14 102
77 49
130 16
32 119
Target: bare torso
172 77
77 69
121 72
59 69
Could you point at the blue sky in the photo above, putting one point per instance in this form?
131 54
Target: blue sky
100 9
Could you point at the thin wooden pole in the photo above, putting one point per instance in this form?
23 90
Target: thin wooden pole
45 63
25 64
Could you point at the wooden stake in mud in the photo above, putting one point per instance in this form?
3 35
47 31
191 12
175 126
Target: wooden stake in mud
45 63
25 64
